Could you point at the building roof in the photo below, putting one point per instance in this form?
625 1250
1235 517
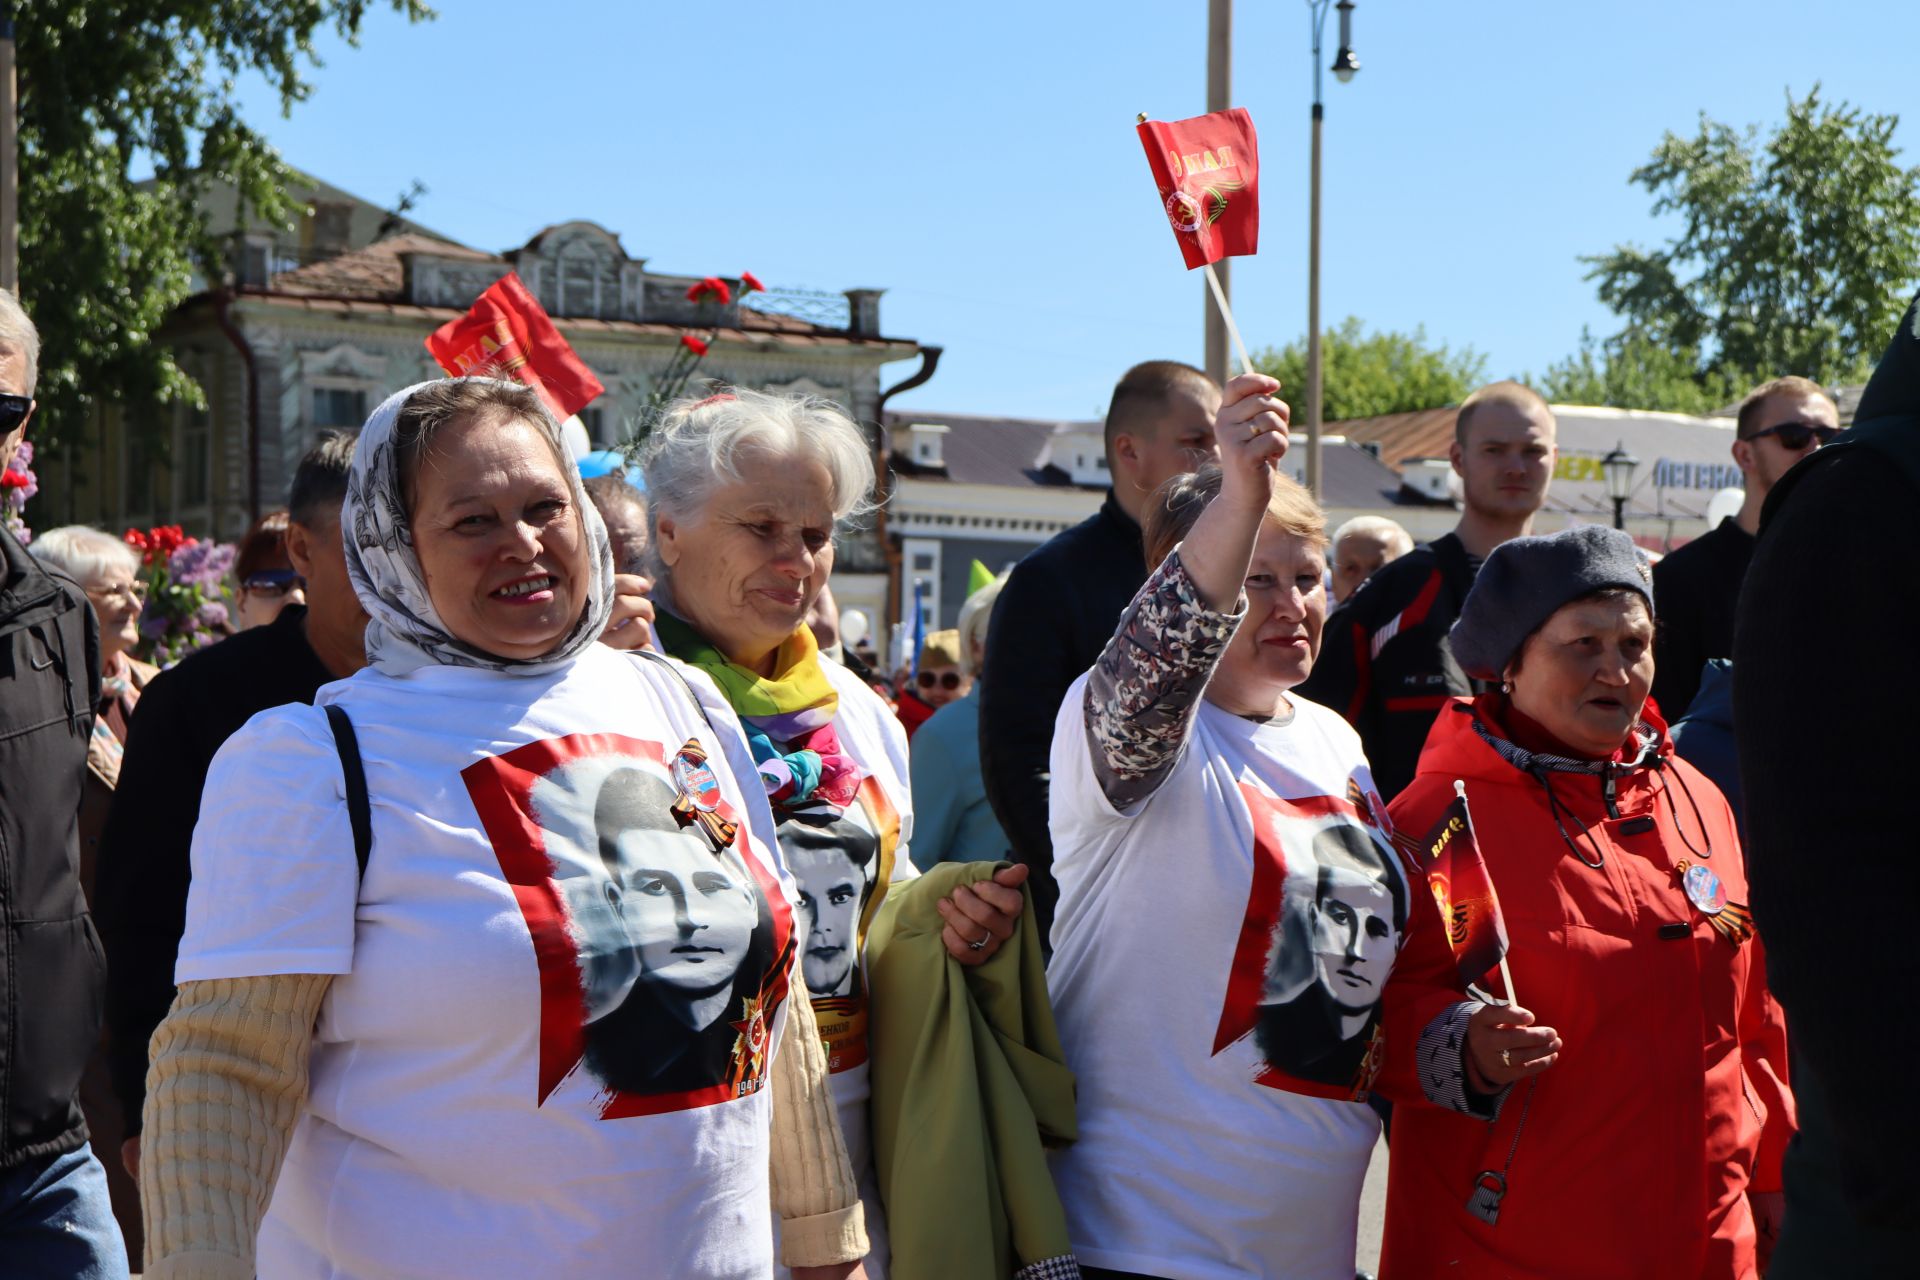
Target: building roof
1426 433
372 280
377 271
979 449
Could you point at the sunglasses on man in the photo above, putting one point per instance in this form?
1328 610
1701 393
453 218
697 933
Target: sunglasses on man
271 582
948 680
13 412
1796 436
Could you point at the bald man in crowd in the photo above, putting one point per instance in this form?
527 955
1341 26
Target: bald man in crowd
1361 548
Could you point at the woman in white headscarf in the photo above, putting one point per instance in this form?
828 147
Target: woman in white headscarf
442 1060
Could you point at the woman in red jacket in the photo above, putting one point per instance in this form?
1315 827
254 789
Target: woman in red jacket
1627 1117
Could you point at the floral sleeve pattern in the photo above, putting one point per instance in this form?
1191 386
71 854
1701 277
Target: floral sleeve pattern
1144 692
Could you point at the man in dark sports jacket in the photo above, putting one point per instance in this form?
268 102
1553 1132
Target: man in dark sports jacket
1384 662
1062 602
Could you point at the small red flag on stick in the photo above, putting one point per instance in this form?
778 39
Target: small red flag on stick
1462 889
508 334
1207 170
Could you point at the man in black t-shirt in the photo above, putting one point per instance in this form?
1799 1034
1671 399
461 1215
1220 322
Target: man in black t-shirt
1780 422
1384 663
184 717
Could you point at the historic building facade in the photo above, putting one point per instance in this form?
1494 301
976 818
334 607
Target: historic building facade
314 334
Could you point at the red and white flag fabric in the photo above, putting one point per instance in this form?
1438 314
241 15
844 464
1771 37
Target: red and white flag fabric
1463 891
1207 169
506 333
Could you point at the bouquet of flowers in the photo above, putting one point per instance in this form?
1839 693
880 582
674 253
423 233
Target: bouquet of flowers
17 484
186 604
693 348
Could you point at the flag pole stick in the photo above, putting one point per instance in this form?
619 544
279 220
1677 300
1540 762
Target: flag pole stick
1226 314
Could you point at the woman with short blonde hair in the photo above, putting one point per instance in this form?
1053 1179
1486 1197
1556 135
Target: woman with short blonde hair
1224 1065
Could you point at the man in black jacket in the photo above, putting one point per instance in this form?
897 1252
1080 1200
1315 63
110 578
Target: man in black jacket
55 1216
183 718
1062 602
1780 422
1825 705
1384 663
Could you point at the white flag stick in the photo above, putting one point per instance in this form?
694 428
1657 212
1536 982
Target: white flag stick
1226 314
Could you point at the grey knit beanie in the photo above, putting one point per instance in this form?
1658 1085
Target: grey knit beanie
1525 580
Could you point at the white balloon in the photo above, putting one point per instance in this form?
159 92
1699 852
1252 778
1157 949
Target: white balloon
573 433
853 627
1723 505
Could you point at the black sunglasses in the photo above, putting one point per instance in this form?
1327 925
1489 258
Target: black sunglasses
1798 435
13 411
272 582
948 680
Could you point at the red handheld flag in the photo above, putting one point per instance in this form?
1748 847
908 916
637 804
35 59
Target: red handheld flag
1207 169
1462 889
507 333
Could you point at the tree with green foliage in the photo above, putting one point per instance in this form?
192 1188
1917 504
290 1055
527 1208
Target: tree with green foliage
1633 372
1794 255
1367 374
105 85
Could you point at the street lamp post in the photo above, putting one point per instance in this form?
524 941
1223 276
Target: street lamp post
1618 467
1344 66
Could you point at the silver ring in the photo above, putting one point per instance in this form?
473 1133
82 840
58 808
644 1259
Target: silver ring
1506 1058
981 945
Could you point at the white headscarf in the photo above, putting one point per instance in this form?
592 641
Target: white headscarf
405 632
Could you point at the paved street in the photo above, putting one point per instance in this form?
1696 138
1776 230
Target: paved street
1373 1207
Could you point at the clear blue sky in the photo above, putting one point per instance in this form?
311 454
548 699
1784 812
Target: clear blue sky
978 160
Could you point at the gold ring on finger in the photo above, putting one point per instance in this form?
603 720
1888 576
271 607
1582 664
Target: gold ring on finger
1506 1058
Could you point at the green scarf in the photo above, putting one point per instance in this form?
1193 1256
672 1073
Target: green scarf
797 684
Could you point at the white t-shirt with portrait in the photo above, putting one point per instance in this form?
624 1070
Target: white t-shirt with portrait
559 987
843 865
1218 956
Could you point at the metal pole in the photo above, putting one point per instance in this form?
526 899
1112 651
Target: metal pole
9 159
1313 296
1620 513
1219 93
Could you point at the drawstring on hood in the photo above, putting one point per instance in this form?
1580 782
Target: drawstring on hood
1542 765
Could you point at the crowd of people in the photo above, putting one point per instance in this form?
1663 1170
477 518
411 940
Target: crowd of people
534 883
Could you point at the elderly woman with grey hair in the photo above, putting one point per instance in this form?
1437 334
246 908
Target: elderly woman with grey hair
434 914
747 491
108 570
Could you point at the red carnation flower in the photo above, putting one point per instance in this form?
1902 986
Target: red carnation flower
750 283
711 287
13 480
696 345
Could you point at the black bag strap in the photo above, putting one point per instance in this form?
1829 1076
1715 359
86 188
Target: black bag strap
359 811
673 668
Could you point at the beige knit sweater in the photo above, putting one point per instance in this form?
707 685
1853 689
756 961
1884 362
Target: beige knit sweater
229 1077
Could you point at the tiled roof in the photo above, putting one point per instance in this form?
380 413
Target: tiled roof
747 334
372 281
1424 434
981 449
375 271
